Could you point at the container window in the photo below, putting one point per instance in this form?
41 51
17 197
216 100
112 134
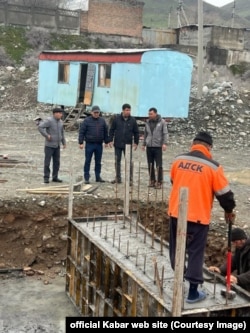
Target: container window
63 72
104 75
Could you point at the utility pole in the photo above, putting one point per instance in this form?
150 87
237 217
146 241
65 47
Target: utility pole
233 15
200 47
178 14
180 10
169 17
184 14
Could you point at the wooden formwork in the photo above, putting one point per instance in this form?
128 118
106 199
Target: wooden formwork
100 285
109 275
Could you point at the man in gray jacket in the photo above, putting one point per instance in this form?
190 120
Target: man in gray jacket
53 131
155 142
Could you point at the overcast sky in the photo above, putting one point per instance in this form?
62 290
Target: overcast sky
218 3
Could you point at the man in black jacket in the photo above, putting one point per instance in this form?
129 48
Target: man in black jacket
94 131
123 131
240 261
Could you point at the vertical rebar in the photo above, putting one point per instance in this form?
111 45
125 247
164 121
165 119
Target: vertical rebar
100 228
162 237
155 271
127 256
113 237
138 197
214 285
124 220
146 222
144 266
136 257
162 277
119 243
71 189
116 190
131 187
155 209
106 232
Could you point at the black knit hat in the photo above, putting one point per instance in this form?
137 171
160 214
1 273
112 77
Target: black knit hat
238 234
204 137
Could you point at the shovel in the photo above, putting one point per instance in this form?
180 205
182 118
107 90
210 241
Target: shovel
228 293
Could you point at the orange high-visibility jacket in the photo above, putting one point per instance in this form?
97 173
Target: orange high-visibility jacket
204 179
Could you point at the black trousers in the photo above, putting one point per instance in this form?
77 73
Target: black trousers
54 154
196 241
154 158
118 156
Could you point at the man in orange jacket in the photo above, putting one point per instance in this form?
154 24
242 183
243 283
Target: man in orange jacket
205 179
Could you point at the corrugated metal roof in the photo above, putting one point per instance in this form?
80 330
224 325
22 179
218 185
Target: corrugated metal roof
104 50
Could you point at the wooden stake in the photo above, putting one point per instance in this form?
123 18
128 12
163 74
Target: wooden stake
180 253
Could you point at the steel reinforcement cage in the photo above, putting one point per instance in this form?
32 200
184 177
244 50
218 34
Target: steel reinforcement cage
115 268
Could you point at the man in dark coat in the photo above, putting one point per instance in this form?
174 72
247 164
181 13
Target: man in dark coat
240 267
94 131
123 131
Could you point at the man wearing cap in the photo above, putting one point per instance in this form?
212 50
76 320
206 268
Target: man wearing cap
204 178
94 131
53 131
240 267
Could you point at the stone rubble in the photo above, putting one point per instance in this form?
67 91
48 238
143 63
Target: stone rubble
223 110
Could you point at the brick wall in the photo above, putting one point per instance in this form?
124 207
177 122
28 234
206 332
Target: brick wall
84 22
115 17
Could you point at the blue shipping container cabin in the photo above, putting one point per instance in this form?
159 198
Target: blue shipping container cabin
144 78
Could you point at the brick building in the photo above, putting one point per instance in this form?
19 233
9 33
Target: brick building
114 17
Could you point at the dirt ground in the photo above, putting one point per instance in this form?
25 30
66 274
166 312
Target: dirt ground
33 220
33 227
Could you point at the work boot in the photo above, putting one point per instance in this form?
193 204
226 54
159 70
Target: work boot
57 180
100 180
115 181
158 186
152 183
199 296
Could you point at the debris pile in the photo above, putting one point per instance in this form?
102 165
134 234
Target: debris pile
224 108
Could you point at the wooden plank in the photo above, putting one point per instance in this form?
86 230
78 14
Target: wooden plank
62 189
9 161
180 253
134 299
145 303
157 277
51 192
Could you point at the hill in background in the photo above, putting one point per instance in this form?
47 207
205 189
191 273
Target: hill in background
163 14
